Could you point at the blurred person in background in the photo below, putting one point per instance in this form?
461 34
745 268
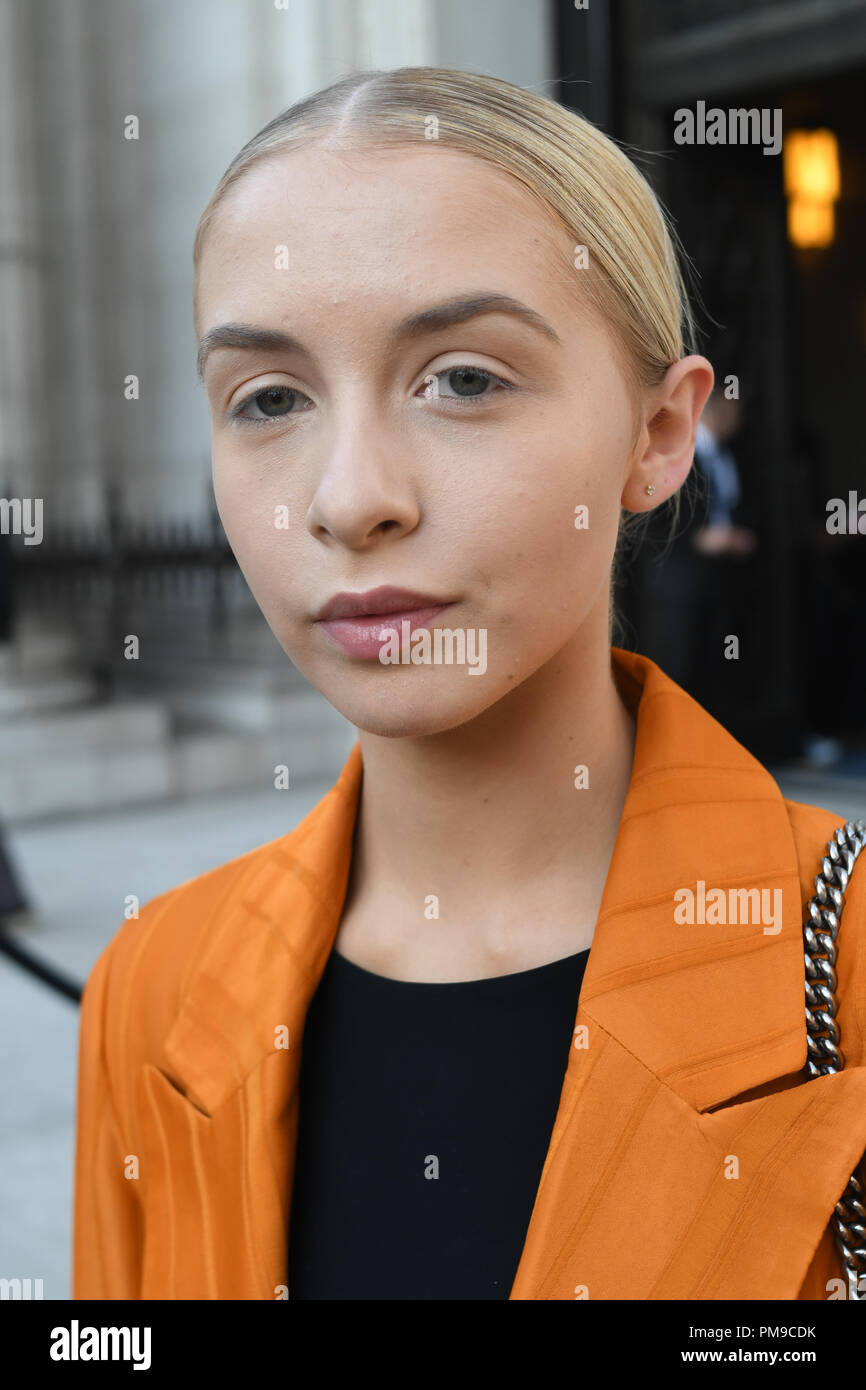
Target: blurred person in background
830 578
686 593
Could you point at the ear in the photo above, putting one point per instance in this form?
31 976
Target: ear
666 444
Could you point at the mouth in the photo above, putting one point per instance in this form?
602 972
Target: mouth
359 623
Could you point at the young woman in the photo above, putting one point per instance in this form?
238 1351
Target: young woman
441 330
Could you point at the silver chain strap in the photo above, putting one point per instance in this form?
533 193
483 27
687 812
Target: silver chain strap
825 1055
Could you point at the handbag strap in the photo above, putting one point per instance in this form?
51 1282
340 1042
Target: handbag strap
825 1055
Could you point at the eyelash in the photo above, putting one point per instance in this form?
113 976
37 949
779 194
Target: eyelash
243 420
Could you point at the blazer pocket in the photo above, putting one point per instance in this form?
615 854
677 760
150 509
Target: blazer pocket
202 1232
158 1081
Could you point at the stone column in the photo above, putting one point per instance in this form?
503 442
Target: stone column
24 393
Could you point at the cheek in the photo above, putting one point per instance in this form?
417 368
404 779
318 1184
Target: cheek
548 531
258 518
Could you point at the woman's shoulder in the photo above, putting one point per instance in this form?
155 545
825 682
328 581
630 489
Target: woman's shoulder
140 976
813 827
202 928
174 931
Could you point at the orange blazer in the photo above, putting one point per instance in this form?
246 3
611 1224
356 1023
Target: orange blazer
688 1054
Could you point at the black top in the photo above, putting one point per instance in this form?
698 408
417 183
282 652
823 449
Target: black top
425 1117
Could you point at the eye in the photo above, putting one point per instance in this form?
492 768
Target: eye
274 403
468 384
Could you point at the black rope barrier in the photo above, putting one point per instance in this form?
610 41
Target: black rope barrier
70 989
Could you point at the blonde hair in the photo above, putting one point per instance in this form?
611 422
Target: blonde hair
633 276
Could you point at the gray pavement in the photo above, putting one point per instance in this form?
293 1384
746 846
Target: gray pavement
77 873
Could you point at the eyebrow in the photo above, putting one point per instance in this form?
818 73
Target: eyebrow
247 337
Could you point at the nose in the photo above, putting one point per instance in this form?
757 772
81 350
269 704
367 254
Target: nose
367 486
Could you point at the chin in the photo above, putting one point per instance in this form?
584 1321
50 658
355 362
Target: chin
392 709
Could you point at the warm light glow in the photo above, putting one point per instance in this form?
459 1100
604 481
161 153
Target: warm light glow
811 159
812 183
810 224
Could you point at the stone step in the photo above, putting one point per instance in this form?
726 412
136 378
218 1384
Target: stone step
164 647
217 762
89 781
80 732
129 753
36 650
241 703
23 696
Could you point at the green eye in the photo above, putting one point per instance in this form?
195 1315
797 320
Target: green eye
270 401
464 380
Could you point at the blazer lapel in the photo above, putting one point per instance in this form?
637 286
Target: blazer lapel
678 1029
659 1182
221 1119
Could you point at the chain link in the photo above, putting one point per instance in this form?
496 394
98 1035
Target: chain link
825 1054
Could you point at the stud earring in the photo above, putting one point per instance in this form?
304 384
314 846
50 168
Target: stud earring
650 488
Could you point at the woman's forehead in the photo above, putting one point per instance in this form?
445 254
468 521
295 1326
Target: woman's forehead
394 220
390 199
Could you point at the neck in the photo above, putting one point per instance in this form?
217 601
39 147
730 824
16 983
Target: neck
487 817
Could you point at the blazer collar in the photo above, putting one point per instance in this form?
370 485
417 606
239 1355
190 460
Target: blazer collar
711 1010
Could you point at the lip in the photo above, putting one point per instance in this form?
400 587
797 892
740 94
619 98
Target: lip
374 603
359 623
